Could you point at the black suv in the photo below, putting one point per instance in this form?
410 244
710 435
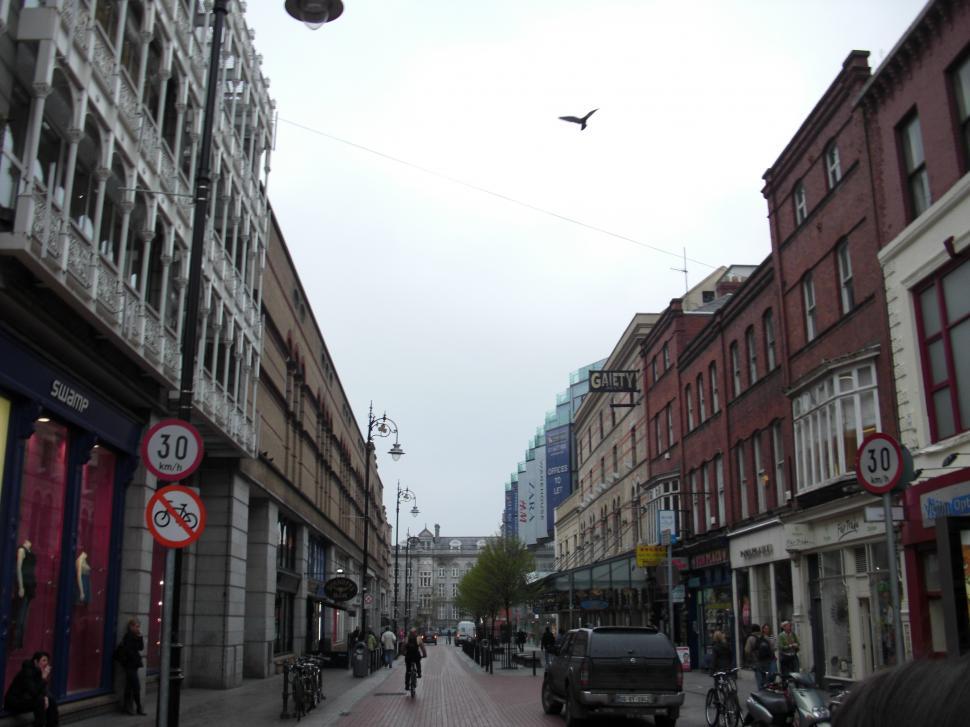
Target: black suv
617 670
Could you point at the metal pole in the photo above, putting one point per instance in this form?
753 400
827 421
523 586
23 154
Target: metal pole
161 713
893 577
397 551
170 690
670 585
363 575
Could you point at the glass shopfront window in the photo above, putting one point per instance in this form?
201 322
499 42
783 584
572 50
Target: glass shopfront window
283 641
91 571
784 598
37 556
4 426
835 616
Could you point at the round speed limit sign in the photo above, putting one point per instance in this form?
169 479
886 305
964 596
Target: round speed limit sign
879 463
172 449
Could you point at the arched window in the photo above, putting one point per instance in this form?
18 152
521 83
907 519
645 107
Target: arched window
112 214
107 15
153 289
12 152
131 42
135 244
84 190
186 147
51 163
169 113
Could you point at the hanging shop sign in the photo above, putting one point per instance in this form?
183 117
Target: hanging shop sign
340 588
613 381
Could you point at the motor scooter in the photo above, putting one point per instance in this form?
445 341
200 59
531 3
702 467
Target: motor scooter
792 699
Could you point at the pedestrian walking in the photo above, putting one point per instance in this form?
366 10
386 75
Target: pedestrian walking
128 655
788 649
720 653
389 644
548 645
372 645
520 641
749 645
765 665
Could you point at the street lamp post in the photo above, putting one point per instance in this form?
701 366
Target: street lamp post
314 13
411 540
404 495
380 426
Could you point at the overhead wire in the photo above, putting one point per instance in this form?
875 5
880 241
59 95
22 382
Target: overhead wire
485 190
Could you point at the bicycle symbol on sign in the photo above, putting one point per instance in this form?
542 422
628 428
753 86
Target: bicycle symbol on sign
163 517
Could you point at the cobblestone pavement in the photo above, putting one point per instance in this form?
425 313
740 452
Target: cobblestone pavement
454 691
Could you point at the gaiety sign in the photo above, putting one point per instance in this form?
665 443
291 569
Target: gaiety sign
613 381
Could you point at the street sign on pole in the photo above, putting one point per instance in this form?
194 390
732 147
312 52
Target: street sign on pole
175 516
667 520
172 450
879 464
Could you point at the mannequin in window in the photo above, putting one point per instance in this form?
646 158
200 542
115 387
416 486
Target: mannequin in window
83 569
26 590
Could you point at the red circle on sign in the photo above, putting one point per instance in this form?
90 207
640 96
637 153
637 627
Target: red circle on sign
878 488
180 517
185 471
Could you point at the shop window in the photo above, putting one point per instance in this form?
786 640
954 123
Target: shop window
286 544
836 636
283 611
934 601
831 418
91 571
317 559
36 559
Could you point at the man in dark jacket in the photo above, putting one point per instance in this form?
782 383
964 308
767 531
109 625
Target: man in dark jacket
28 691
548 643
132 644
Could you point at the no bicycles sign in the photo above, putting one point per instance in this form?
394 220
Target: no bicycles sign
175 516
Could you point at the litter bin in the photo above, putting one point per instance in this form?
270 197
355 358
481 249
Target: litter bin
360 659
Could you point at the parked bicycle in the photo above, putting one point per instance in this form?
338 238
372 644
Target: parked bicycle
303 681
722 708
411 679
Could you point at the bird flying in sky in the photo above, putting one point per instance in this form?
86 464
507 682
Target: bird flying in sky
581 121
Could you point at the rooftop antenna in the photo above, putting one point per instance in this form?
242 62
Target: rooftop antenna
684 271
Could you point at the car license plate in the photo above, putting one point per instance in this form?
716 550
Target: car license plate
635 698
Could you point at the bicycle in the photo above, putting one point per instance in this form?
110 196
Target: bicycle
303 679
722 707
411 679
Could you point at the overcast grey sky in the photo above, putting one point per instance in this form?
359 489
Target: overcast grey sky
462 313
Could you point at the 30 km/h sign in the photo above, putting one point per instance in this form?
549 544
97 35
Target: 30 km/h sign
172 450
879 463
175 516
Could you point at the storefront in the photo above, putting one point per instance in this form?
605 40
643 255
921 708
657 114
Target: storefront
843 571
66 455
708 605
924 503
761 579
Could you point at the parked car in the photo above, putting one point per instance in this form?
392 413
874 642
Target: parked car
615 670
431 637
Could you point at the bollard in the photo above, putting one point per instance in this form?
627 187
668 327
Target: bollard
286 689
534 660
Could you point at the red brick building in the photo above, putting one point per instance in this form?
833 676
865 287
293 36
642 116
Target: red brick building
735 415
917 111
837 376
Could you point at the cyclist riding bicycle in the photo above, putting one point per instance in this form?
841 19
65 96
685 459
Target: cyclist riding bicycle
414 651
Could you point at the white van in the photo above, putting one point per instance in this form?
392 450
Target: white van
465 632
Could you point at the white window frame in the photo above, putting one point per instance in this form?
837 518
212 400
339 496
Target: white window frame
701 409
719 478
833 167
706 484
800 200
694 503
914 160
808 296
670 426
735 368
752 345
715 400
690 408
742 480
425 579
831 417
846 294
768 321
454 572
760 480
778 447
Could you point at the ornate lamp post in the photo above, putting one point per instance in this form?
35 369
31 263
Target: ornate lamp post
404 495
312 13
411 540
376 427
